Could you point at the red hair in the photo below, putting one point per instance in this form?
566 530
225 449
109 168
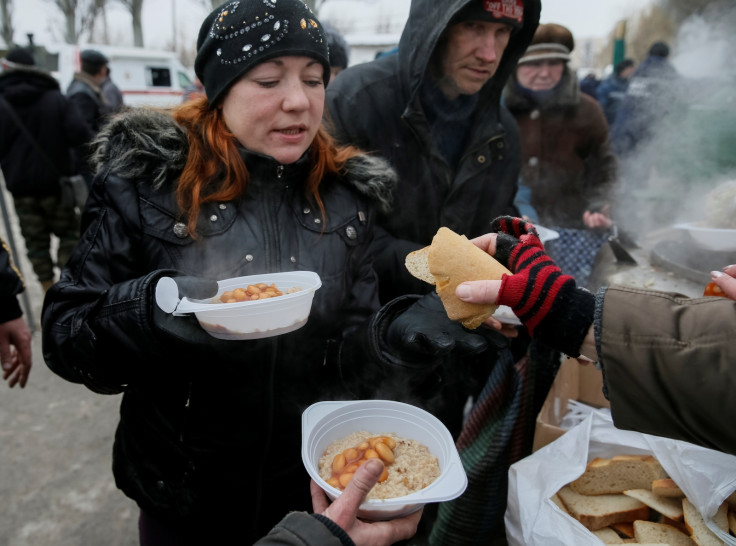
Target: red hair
214 170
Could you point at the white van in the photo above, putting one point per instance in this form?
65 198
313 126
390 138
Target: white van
145 77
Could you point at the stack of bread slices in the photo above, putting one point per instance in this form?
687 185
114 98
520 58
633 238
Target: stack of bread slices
631 499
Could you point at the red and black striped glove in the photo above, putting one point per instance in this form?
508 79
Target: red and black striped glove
548 303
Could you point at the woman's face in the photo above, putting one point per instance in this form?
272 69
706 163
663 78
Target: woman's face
276 107
540 75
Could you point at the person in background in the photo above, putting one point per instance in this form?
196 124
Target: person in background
567 163
648 98
111 94
32 97
330 523
433 110
589 84
639 132
667 360
244 181
85 92
339 51
15 336
612 90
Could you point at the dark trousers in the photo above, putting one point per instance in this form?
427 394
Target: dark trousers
39 218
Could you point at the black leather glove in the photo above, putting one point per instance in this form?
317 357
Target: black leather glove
424 330
185 328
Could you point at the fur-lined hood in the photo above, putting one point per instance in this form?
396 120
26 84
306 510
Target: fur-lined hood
147 144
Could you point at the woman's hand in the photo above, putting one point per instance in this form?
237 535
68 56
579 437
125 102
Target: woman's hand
726 280
344 510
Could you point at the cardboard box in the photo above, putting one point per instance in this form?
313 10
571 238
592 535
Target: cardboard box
574 381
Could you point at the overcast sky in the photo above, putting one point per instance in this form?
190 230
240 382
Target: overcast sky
585 18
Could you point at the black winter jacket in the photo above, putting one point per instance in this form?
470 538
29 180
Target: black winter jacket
209 429
376 106
53 121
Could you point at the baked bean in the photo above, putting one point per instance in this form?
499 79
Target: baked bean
338 463
351 454
385 452
344 479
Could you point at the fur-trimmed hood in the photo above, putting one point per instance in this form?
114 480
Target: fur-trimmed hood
147 144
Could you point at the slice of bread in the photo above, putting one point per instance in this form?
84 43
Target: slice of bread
731 500
418 265
676 524
672 508
614 475
698 529
667 487
450 260
558 501
599 511
659 533
624 528
608 536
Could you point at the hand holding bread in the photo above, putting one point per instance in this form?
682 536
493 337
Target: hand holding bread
450 260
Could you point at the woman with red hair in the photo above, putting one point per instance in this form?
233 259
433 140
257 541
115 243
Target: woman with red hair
244 181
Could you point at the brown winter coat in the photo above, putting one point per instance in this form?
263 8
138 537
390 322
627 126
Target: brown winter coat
565 155
669 364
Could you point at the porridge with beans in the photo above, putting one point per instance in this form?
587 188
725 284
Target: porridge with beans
408 465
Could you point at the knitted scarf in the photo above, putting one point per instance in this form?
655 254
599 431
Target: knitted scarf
498 433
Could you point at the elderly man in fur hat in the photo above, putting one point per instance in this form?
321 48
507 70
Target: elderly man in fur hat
567 164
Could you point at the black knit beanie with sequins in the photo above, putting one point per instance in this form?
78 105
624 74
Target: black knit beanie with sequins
239 34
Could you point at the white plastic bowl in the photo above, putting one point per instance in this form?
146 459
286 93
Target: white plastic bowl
325 422
249 319
722 240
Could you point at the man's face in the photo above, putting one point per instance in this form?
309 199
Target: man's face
472 54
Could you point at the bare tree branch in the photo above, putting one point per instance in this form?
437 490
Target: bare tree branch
135 7
79 16
7 30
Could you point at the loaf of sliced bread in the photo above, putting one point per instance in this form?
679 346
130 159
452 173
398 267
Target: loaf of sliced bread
698 529
667 487
672 508
659 533
608 536
614 475
598 511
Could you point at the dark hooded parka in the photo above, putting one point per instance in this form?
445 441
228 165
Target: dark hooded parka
378 106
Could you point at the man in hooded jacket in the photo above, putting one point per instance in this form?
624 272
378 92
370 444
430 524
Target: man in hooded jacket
434 111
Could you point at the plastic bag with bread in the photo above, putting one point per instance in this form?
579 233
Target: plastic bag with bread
450 260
